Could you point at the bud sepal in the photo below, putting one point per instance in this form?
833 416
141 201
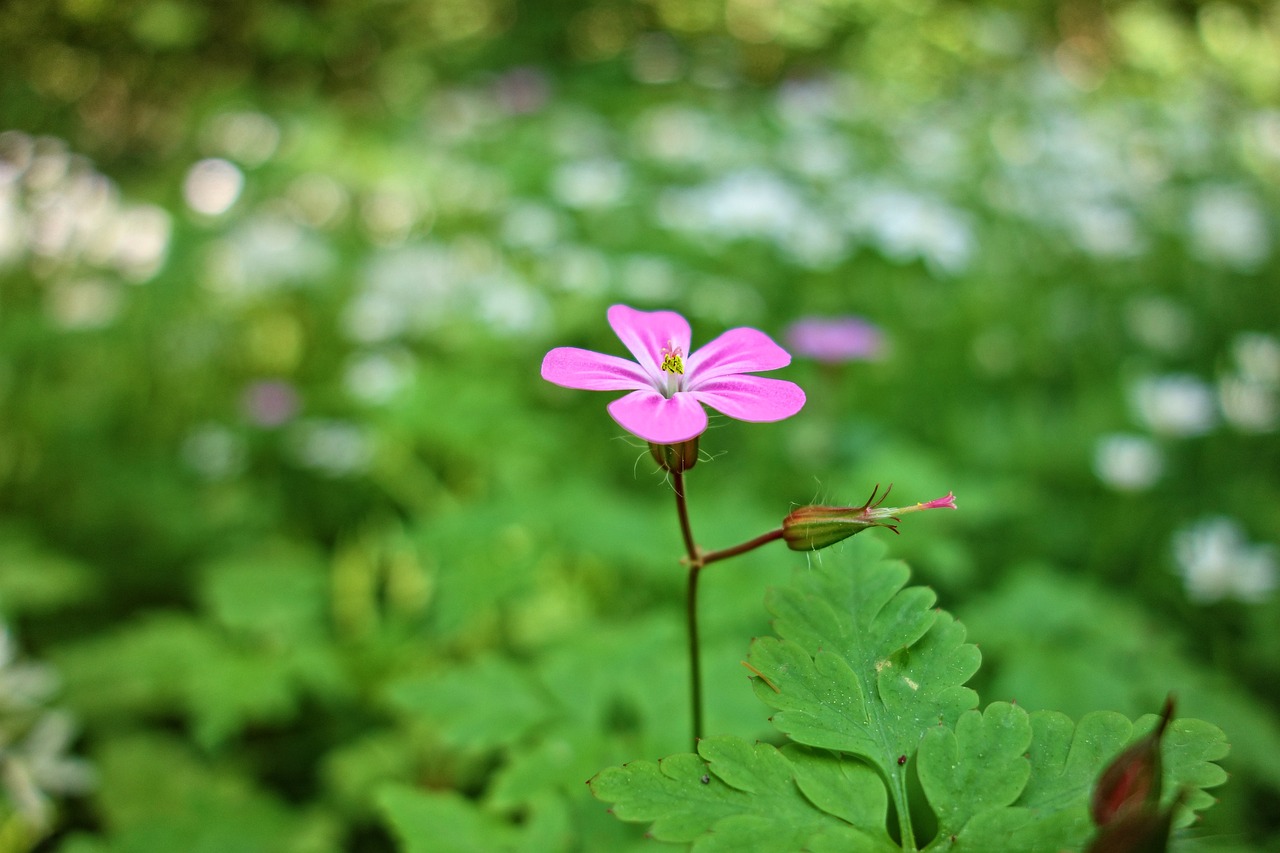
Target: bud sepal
675 458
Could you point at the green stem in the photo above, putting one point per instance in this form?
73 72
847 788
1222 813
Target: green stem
691 606
899 790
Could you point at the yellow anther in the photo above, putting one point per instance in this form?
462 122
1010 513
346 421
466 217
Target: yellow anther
672 362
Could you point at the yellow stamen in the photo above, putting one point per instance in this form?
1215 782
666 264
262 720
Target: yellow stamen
672 361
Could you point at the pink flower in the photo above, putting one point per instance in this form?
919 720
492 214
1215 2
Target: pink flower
270 402
668 388
835 339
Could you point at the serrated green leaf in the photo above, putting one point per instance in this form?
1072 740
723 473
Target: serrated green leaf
846 787
1066 759
1188 752
980 766
863 666
1053 812
737 796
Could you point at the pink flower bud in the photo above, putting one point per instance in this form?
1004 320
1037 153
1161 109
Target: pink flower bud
811 528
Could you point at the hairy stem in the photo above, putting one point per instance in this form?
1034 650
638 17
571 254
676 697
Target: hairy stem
691 606
750 545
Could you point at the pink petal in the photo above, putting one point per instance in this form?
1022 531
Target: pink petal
736 351
752 398
592 371
658 419
647 333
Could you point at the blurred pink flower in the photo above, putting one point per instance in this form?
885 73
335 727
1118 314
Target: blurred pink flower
668 387
835 339
269 402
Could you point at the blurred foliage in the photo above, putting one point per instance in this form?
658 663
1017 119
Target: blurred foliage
318 559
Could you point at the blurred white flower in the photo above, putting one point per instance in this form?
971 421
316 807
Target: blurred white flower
212 185
389 214
810 100
749 203
1127 462
677 135
1159 323
817 155
1217 561
13 227
1229 226
34 741
1175 405
907 225
1262 135
137 240
37 766
577 269
318 200
23 686
263 253
529 225
244 135
377 377
649 278
1247 405
1105 230
16 151
508 306
1257 356
590 184
333 448
403 290
89 303
213 452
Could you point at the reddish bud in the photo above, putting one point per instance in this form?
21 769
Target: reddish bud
1141 831
1131 782
811 528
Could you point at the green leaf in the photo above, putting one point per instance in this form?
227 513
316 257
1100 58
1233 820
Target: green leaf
1066 759
1188 752
155 794
737 796
863 665
168 662
447 822
34 579
980 766
483 705
279 595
